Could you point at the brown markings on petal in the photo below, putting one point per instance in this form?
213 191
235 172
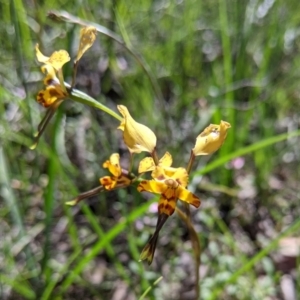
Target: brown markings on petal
140 187
170 209
178 180
167 207
40 99
49 81
161 177
196 202
106 182
55 93
123 180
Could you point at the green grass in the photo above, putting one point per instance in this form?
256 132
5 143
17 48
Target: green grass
177 66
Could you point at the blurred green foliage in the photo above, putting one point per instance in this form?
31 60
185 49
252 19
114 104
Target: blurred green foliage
208 60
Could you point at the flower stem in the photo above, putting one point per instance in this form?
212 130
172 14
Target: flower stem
74 74
83 98
61 80
85 195
155 157
190 163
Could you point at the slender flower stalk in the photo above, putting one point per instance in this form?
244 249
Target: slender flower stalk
85 195
190 163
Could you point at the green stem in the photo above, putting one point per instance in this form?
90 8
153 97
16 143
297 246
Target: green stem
83 98
150 287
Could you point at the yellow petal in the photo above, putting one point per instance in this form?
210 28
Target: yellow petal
160 173
152 186
56 60
108 182
39 56
123 181
167 205
113 165
211 139
48 96
50 73
180 175
87 39
186 196
166 160
122 125
146 164
137 137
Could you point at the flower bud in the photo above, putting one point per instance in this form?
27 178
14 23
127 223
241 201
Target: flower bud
137 137
211 138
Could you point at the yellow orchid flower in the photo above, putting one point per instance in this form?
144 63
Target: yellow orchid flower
137 137
56 60
55 88
55 91
171 184
211 138
147 164
119 177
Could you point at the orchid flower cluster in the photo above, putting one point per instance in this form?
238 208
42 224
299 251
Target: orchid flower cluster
169 182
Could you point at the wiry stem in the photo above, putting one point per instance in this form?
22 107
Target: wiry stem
131 163
86 195
43 124
61 80
74 74
190 163
188 169
155 157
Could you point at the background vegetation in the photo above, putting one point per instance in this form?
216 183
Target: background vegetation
210 60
